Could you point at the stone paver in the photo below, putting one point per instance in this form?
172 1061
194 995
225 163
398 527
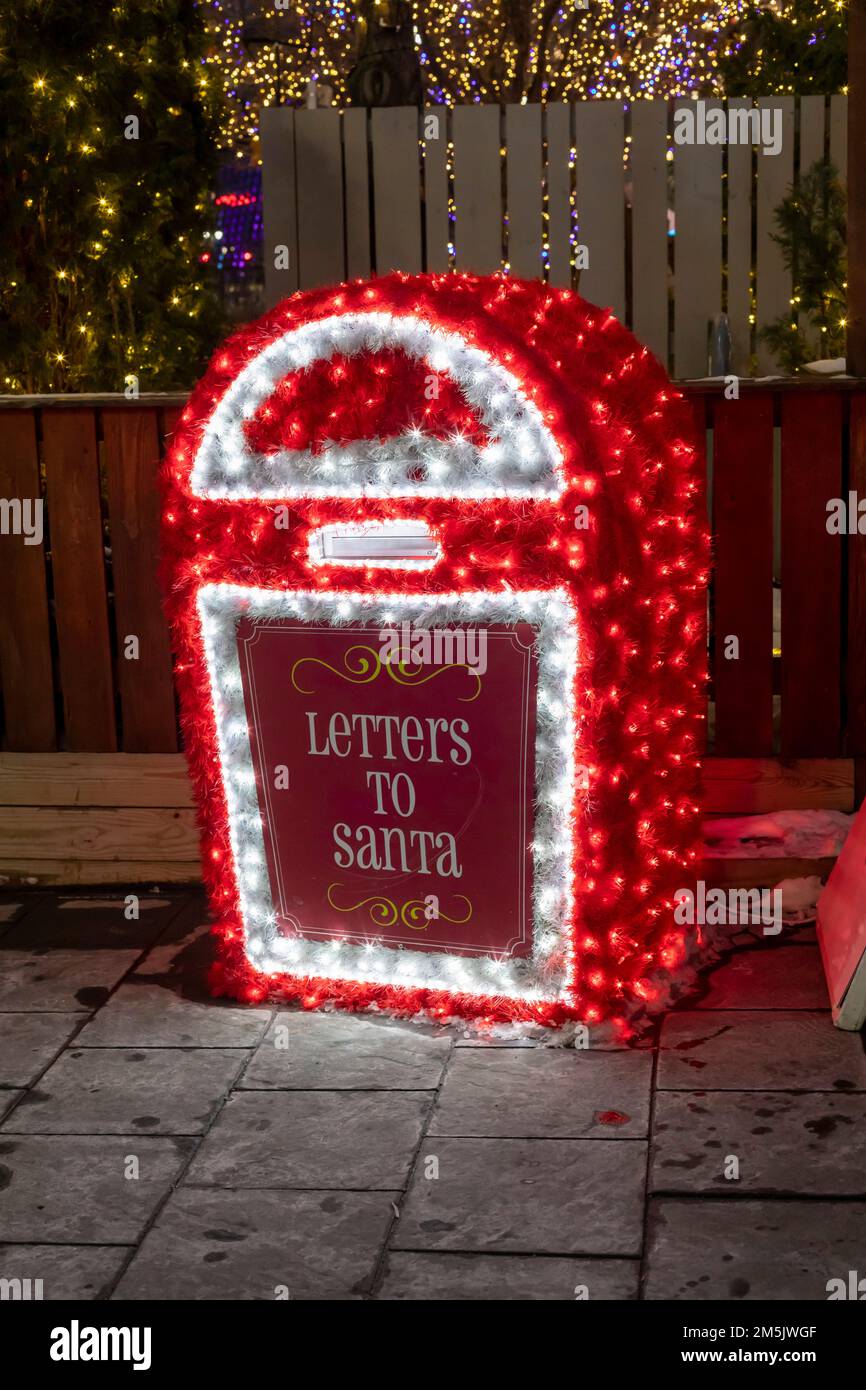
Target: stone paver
80 1272
429 1276
93 922
809 1145
222 1244
761 1051
158 1143
547 1196
60 981
84 1189
143 1014
306 1051
7 1100
313 1139
160 1091
28 1042
184 951
777 977
751 1249
544 1093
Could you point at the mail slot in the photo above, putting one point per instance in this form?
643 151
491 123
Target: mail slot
379 543
435 566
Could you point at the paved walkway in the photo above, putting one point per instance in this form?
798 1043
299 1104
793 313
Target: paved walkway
157 1144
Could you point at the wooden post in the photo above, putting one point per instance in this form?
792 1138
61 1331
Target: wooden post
856 365
856 346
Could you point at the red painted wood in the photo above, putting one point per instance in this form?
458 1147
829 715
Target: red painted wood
743 576
77 552
148 720
701 408
856 545
25 642
811 576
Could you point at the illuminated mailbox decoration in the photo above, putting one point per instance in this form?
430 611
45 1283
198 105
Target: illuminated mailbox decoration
436 574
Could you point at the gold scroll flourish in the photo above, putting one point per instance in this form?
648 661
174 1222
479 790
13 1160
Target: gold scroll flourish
379 904
398 673
384 913
365 672
411 911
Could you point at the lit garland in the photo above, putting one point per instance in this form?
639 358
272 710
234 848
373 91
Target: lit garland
109 146
618 609
468 53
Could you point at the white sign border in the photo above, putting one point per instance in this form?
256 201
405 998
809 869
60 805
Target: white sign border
548 975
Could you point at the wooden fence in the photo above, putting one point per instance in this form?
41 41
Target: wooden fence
67 606
482 188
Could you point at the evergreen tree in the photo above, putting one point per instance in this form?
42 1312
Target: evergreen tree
108 140
793 46
811 223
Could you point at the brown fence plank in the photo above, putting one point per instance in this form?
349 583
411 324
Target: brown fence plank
146 688
743 591
72 491
69 873
811 576
25 645
752 786
95 779
761 873
117 832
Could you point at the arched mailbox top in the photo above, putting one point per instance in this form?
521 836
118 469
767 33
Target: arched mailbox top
519 458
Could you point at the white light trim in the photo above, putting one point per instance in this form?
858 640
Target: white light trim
547 974
522 458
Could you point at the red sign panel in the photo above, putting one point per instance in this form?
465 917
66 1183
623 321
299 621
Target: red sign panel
396 797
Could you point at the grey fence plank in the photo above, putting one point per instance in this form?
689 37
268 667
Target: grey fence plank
439 201
811 149
811 131
434 134
698 250
560 177
477 188
279 206
649 225
772 280
740 186
524 169
396 188
319 158
601 201
839 135
357 192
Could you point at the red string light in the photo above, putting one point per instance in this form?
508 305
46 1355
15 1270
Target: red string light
622 432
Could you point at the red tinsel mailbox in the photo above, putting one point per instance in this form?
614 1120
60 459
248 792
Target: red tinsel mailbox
436 578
